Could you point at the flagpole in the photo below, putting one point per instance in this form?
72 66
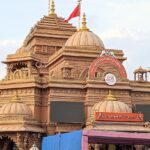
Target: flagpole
49 7
79 3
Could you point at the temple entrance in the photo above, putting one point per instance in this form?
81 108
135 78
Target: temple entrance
7 144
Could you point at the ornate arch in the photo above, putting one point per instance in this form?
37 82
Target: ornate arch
84 73
109 60
7 142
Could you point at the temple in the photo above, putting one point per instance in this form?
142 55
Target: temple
63 79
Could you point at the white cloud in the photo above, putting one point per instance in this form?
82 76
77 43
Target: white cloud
124 33
128 1
10 42
135 45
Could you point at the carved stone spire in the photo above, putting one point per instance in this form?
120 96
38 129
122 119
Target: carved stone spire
15 99
110 97
51 10
84 27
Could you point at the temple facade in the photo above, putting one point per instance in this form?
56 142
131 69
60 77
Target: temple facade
58 63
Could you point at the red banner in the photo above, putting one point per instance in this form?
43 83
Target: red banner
126 117
75 13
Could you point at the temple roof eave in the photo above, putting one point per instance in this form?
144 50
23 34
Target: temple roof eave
22 83
21 128
72 52
50 26
123 128
81 52
28 39
19 123
15 58
142 86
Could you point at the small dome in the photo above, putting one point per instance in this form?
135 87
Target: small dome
140 70
110 105
84 38
15 107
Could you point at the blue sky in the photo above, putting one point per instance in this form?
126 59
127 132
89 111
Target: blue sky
121 24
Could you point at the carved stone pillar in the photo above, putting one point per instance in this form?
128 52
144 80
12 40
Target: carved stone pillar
19 141
96 146
111 147
138 147
84 143
34 138
89 118
25 142
146 76
29 66
134 76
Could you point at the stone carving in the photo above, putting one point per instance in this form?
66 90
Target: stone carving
66 71
17 71
17 74
26 140
20 141
19 91
147 124
39 65
107 52
66 91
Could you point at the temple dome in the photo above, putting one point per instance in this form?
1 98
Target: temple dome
140 70
84 38
110 105
15 107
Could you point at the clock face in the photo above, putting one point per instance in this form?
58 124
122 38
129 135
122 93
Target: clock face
110 79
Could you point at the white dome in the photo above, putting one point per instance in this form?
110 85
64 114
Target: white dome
110 105
85 39
15 107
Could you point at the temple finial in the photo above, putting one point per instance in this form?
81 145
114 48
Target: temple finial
84 27
51 9
110 97
15 98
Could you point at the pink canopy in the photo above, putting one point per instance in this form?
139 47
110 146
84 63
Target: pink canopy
111 137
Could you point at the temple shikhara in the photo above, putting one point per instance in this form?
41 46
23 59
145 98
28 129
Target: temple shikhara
63 79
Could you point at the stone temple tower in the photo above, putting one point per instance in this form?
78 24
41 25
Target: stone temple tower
56 77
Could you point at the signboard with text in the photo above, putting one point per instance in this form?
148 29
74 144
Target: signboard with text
126 117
